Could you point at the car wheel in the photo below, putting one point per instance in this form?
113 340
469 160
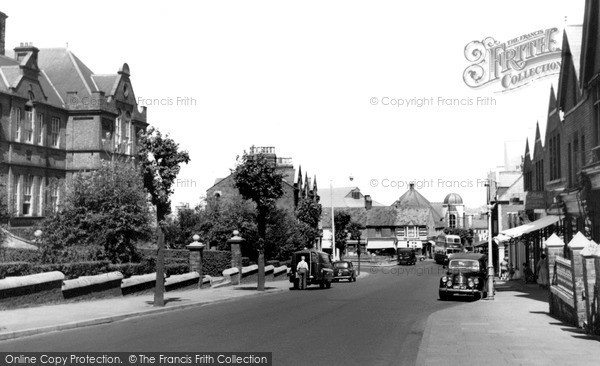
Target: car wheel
328 284
444 296
296 284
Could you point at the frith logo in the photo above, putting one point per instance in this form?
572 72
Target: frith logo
514 63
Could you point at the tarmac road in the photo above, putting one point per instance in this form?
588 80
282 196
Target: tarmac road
378 320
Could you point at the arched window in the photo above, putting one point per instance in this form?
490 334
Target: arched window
118 129
452 221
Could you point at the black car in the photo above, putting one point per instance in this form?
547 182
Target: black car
344 270
467 275
407 256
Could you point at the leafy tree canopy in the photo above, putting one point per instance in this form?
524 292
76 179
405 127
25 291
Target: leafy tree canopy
161 161
105 211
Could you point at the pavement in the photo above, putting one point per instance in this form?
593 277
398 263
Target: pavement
513 329
16 323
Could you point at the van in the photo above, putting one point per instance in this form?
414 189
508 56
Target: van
320 268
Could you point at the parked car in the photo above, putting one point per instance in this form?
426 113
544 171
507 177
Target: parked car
466 275
320 268
407 256
344 270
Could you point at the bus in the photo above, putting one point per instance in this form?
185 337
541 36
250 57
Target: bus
445 245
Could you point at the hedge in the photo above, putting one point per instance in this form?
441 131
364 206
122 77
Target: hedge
171 255
274 263
70 270
20 255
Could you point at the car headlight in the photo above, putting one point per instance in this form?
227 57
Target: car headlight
444 279
476 280
449 283
470 283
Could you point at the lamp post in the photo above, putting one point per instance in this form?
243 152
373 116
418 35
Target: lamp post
358 253
332 221
490 207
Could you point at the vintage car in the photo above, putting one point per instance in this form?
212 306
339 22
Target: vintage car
407 256
344 270
320 268
466 275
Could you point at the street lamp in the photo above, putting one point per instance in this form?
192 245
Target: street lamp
332 220
490 207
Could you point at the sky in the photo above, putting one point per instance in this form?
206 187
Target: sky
316 80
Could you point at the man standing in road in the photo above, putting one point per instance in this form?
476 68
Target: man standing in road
302 271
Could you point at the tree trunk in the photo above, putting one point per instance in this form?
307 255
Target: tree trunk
159 289
261 271
262 233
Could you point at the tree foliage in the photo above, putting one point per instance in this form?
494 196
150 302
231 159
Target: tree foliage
161 161
258 181
105 212
341 221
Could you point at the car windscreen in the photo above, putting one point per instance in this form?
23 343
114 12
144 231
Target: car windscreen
468 264
341 265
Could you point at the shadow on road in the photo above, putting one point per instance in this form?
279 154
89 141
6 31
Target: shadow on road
167 300
252 288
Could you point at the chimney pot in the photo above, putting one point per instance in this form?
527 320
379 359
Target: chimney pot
2 32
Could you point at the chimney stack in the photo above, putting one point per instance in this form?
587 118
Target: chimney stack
2 33
368 202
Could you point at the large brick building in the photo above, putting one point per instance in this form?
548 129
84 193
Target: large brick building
562 176
57 118
293 188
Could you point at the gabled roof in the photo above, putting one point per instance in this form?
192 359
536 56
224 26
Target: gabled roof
342 197
568 84
515 190
11 75
106 83
590 62
67 72
357 215
538 147
553 123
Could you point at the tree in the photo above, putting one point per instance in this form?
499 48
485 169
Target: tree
223 215
257 180
160 159
105 212
308 214
341 221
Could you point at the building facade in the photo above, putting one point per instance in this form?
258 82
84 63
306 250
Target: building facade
58 118
295 187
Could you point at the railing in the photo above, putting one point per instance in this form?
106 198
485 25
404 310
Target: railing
562 275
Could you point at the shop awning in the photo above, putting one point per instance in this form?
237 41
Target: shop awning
381 243
501 238
516 232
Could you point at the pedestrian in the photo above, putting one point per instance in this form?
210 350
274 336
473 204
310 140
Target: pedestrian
542 271
527 273
302 271
511 271
504 269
